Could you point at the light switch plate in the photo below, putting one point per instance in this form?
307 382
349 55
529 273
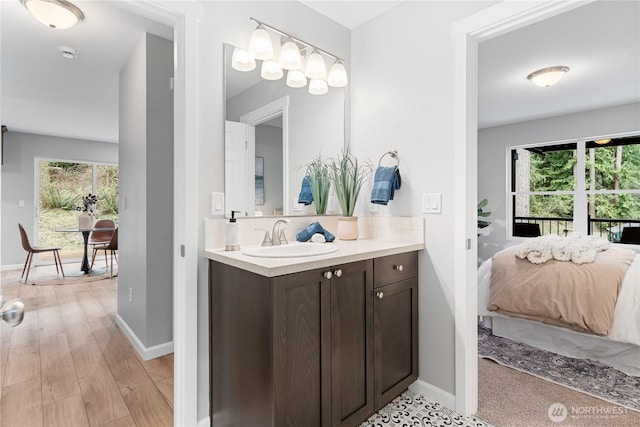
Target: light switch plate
432 203
217 204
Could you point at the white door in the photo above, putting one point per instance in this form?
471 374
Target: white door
239 168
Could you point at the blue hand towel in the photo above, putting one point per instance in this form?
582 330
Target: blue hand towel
305 197
385 182
312 229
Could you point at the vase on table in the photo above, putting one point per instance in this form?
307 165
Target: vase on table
85 221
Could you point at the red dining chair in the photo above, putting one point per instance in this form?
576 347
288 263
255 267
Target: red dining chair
102 237
112 246
36 250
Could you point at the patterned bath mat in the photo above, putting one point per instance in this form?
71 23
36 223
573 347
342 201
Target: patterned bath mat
413 410
586 376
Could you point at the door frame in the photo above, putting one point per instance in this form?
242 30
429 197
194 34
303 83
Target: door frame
494 21
184 17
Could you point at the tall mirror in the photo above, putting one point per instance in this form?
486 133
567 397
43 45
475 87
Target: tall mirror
271 132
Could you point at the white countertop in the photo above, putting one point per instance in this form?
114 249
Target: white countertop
350 251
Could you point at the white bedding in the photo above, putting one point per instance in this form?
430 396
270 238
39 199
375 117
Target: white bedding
626 316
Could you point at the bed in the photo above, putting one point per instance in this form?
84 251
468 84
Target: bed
619 348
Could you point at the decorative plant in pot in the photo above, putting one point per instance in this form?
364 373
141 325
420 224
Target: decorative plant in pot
88 209
482 214
318 173
347 176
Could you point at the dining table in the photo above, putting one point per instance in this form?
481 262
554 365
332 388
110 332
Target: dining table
84 266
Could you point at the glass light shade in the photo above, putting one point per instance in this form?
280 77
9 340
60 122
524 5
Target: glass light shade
337 75
318 87
548 76
59 14
602 141
315 67
296 78
260 45
242 60
271 70
290 58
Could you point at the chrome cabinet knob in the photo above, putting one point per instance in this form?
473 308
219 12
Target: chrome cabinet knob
328 274
380 295
398 267
338 273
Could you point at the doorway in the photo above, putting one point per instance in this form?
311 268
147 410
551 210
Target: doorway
468 33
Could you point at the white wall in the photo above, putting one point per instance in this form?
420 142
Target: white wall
269 147
18 175
146 192
402 96
492 144
228 21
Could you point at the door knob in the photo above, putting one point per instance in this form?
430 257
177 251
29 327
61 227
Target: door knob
398 267
338 273
380 294
328 274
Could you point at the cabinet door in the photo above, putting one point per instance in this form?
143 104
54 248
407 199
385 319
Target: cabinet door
301 356
352 343
396 339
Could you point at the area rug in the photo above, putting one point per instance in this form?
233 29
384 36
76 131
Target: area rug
53 279
586 376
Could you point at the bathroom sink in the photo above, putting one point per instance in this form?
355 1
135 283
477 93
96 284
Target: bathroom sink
291 250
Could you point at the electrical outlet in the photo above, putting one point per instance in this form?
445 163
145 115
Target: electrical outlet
130 294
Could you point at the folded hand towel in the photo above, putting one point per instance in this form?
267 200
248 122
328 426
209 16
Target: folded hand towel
312 229
385 182
305 197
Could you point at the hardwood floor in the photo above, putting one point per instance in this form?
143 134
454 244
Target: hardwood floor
68 364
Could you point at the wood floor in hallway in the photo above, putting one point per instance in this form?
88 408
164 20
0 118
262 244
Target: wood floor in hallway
68 364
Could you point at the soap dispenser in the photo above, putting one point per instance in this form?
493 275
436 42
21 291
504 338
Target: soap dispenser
232 235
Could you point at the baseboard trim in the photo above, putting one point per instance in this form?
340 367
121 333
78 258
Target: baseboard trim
434 394
146 353
204 422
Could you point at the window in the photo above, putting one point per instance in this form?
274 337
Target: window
586 186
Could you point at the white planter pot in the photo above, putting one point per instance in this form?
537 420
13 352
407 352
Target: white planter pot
347 228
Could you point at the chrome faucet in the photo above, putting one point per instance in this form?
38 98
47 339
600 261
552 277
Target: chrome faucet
277 234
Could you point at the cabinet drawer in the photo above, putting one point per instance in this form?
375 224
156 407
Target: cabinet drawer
393 268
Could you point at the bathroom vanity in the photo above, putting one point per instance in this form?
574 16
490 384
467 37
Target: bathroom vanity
316 341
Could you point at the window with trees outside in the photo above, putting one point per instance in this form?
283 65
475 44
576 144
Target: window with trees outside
584 186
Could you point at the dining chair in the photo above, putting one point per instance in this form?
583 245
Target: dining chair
36 250
112 246
102 237
524 229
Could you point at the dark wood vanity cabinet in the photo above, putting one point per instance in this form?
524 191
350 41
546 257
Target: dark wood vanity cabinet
315 348
395 323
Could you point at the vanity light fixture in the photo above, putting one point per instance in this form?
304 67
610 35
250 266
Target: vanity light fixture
290 58
315 67
296 78
58 14
260 47
271 70
337 75
242 60
548 76
318 87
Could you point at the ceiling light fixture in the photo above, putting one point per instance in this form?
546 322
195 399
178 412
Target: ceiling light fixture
58 14
548 76
260 47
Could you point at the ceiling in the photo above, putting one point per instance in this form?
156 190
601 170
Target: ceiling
45 93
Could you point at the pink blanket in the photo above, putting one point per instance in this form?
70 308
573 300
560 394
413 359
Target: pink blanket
580 297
